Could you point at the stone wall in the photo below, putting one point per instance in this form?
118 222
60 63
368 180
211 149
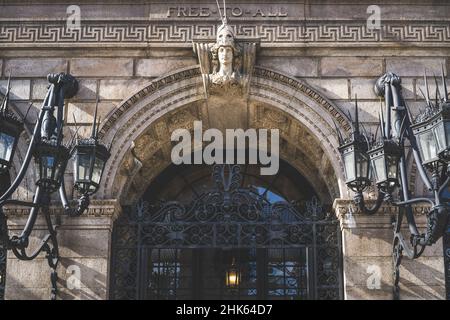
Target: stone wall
123 46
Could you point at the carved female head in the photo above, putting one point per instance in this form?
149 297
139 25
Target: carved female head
225 52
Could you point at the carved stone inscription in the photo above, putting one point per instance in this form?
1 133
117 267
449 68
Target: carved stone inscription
233 11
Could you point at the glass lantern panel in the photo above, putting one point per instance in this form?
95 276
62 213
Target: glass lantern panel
392 167
84 166
98 168
439 136
379 169
59 170
6 146
349 163
47 164
362 165
447 133
427 145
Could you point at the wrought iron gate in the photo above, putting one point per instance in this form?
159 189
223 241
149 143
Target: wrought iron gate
226 218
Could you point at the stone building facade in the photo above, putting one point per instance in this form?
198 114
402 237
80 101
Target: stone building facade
305 62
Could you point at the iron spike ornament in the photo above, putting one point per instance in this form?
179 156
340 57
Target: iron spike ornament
51 157
429 139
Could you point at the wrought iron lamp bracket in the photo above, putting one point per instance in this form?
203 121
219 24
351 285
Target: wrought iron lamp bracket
48 129
397 128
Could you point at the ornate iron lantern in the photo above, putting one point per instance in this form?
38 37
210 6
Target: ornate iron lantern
89 161
429 141
355 157
384 159
51 157
10 129
432 130
51 161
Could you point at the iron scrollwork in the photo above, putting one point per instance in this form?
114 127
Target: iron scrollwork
226 216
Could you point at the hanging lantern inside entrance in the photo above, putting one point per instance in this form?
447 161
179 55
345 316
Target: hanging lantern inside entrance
232 276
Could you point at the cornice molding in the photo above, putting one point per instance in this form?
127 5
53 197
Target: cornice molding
97 208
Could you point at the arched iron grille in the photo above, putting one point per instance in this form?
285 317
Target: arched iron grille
170 250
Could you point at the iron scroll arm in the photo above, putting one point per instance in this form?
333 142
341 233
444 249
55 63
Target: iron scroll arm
47 126
397 129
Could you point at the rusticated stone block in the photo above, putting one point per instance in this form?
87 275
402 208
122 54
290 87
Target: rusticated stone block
75 244
294 66
20 89
422 292
364 88
86 89
120 89
363 293
35 67
157 67
420 84
331 88
101 67
84 112
351 66
413 67
367 242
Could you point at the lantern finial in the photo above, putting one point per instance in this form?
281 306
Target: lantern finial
444 84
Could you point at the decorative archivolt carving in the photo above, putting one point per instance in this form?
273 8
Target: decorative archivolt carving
149 106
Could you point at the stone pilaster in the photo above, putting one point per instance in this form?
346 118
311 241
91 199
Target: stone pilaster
367 257
84 247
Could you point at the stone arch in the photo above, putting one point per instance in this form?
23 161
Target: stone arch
138 130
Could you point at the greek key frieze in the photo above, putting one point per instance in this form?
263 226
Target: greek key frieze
142 33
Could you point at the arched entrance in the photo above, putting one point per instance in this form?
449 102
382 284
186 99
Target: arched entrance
139 131
224 232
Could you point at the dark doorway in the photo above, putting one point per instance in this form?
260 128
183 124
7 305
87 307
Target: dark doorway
185 249
202 274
